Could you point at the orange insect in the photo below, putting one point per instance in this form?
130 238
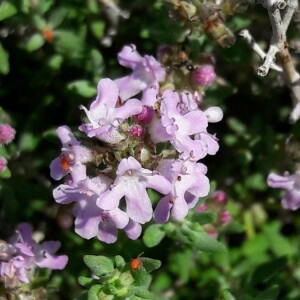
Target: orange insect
136 263
48 34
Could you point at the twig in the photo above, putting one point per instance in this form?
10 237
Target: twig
278 45
245 34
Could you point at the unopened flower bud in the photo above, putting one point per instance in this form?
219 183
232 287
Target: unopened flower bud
214 114
211 231
7 133
225 217
202 207
146 115
3 163
136 130
220 197
204 75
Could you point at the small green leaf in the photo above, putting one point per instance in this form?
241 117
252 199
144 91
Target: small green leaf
100 265
5 173
28 141
97 28
141 277
35 42
39 22
142 292
204 242
150 264
94 291
7 10
120 262
85 281
264 272
55 61
4 61
69 43
83 87
226 295
269 294
153 235
57 16
204 217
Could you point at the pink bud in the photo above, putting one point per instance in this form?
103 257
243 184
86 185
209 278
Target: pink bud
3 163
136 130
211 231
201 208
7 133
146 115
204 75
220 197
225 217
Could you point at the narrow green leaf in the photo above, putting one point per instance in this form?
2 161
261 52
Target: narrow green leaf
69 43
269 294
100 265
120 262
57 16
226 295
94 291
5 173
204 242
35 42
4 61
204 217
267 270
85 281
7 10
55 61
153 235
150 264
142 292
83 87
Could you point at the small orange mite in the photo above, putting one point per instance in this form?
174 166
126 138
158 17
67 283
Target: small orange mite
48 34
136 263
64 163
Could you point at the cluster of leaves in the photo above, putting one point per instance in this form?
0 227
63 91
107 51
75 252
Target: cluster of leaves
116 279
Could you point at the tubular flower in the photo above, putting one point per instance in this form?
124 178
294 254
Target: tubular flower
291 185
90 220
72 159
179 129
25 255
105 116
146 71
188 184
131 182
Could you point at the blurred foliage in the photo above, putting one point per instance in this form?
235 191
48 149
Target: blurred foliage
51 58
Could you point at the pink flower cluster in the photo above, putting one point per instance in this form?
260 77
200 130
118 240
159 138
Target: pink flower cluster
22 255
132 145
7 134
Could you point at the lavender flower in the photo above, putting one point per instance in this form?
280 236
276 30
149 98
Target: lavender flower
179 128
90 220
25 255
291 185
105 114
147 71
72 159
188 184
132 181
